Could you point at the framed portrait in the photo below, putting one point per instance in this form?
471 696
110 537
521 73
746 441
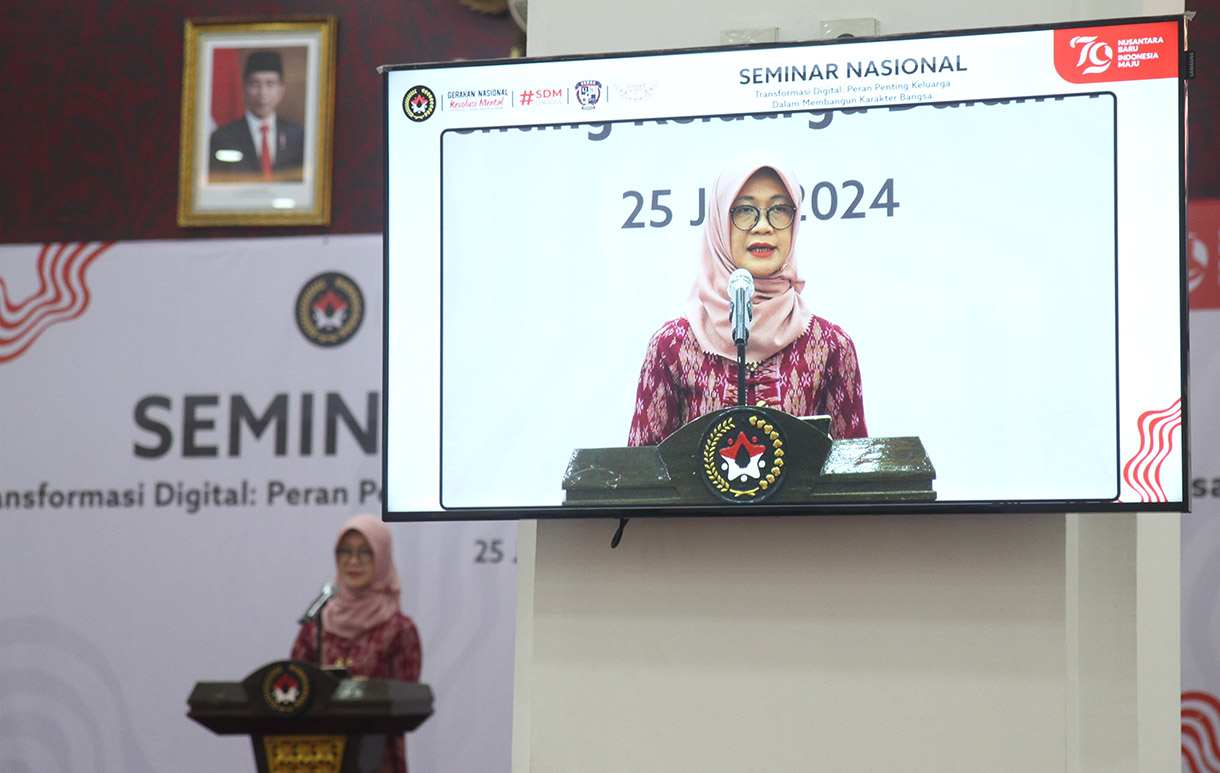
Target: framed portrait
257 112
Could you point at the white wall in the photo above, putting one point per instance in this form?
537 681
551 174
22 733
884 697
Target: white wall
801 644
578 26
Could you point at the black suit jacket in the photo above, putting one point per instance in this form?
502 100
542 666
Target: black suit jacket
235 135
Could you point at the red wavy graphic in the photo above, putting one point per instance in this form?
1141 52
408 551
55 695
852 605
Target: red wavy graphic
62 295
1200 723
1142 471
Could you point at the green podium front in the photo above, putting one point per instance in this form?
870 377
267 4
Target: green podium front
303 719
752 454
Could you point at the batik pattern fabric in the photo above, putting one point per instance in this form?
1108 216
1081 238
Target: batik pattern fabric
387 651
817 374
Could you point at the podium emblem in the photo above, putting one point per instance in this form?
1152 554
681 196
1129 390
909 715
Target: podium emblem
286 689
743 455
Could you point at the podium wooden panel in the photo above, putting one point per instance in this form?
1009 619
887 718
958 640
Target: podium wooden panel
820 470
304 719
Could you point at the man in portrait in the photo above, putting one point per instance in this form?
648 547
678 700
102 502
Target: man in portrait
261 145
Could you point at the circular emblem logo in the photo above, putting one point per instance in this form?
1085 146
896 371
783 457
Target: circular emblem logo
419 103
286 689
330 309
743 456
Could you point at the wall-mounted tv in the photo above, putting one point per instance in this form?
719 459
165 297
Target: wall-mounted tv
965 253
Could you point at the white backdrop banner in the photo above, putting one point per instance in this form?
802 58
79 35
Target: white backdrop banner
1201 527
183 427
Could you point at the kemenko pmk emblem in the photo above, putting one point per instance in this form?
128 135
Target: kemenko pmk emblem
329 309
286 689
743 456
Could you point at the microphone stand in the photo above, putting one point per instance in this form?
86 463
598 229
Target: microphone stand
319 619
741 372
741 313
315 613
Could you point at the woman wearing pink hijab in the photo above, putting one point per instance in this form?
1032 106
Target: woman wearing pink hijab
797 362
363 628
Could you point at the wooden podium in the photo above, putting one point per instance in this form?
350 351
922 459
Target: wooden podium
303 719
781 459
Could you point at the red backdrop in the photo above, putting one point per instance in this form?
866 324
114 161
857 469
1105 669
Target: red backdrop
93 94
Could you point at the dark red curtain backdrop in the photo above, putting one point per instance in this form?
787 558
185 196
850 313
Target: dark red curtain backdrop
93 94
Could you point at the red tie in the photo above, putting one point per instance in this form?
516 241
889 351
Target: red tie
265 152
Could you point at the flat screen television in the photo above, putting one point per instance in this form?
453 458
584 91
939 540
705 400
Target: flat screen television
991 221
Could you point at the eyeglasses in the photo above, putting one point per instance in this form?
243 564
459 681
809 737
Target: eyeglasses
746 216
362 555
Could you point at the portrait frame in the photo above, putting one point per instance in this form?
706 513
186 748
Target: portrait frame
240 181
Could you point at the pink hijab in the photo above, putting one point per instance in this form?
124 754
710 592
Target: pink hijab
353 611
780 314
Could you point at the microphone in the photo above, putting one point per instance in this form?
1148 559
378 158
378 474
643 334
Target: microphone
741 304
328 590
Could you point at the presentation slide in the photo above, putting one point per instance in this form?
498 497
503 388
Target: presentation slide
968 251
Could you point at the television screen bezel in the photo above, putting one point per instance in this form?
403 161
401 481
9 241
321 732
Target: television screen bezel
764 509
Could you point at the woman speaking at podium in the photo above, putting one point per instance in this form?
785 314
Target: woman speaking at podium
796 362
363 628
